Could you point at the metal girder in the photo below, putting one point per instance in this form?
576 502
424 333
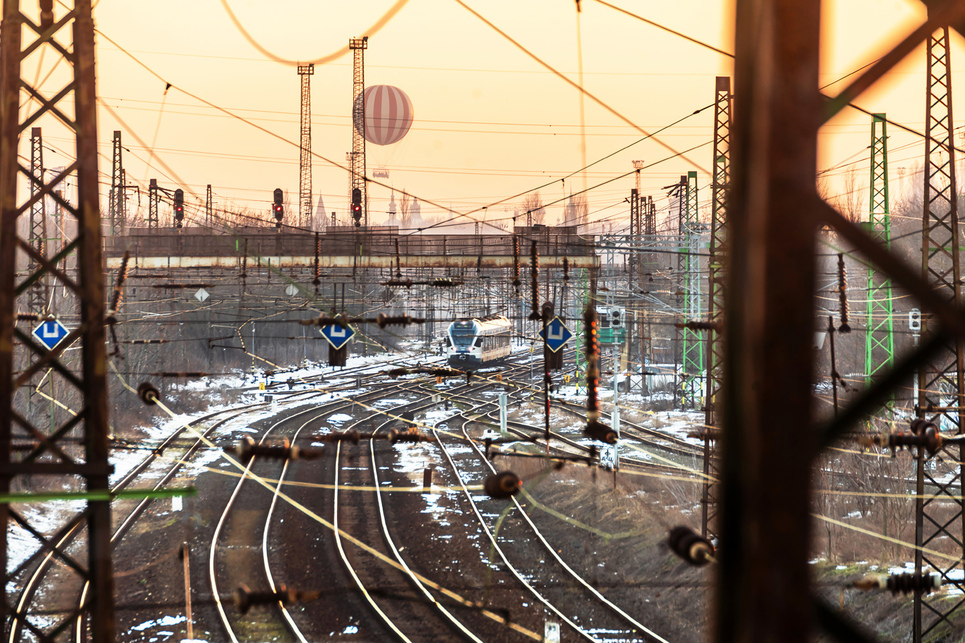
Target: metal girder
763 575
38 222
693 346
940 383
305 149
773 215
116 202
879 331
84 461
357 178
153 197
715 300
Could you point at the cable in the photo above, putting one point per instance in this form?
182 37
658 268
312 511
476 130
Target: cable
338 53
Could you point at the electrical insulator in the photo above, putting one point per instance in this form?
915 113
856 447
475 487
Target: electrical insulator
596 430
904 583
592 349
502 485
844 327
691 547
178 207
247 448
148 393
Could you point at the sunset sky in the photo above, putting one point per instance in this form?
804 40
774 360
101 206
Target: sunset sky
490 122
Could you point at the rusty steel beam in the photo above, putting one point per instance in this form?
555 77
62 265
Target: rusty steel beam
763 577
329 261
61 465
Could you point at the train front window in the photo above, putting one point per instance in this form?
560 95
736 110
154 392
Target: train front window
462 334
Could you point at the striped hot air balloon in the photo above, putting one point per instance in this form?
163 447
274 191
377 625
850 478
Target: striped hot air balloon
388 114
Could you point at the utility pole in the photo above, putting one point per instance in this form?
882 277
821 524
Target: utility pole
941 390
715 302
305 72
73 456
358 47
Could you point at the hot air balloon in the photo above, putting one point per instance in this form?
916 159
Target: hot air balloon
388 114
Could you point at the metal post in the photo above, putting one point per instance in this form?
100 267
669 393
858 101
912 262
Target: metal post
764 528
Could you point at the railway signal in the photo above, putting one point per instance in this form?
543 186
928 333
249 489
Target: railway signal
277 208
357 207
178 208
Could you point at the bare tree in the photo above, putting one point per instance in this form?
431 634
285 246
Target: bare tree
533 204
405 207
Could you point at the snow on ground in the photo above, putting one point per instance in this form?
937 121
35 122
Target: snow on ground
48 517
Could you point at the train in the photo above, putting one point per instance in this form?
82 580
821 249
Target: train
477 343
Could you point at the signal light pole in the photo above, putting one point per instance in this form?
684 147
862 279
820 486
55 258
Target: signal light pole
277 208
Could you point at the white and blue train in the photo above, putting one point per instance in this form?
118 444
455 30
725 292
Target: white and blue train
476 343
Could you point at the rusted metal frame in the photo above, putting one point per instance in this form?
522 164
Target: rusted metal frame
953 11
940 245
47 106
46 36
44 267
50 265
92 302
59 434
951 318
47 543
763 576
873 398
715 307
47 358
45 441
10 57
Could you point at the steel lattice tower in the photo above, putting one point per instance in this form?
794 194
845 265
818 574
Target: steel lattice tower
73 455
940 384
693 354
152 205
208 207
116 205
305 73
38 223
358 47
715 300
879 335
650 217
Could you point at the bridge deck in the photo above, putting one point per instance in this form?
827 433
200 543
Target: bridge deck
348 247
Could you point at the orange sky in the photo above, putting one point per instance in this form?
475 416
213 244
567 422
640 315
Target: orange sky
489 121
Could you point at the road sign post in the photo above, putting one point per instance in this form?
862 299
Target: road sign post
338 337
